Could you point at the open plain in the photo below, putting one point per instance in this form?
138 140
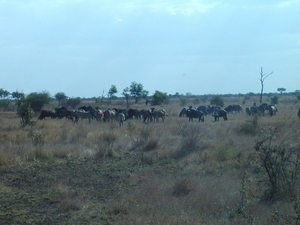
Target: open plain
172 172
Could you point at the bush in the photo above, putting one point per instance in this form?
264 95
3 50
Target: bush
274 100
25 112
73 102
38 100
159 98
250 127
217 100
281 164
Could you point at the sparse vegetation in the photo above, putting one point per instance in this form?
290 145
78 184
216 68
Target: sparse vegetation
241 171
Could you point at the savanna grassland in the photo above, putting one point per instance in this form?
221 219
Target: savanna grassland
176 172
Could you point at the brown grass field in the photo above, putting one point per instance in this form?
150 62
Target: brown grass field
176 172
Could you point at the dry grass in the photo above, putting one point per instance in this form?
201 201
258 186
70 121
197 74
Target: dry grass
176 172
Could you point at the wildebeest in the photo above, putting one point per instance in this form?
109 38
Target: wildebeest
160 113
133 114
109 115
147 115
234 109
62 112
204 108
81 114
46 113
298 113
220 113
194 113
120 118
248 111
183 112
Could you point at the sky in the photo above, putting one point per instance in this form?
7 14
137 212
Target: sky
83 47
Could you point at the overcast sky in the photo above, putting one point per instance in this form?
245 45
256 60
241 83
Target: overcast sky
82 47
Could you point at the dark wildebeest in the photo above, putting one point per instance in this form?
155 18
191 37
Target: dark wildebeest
248 111
229 109
81 114
204 108
253 110
147 115
234 109
237 108
183 112
194 113
263 107
220 113
298 113
131 113
63 112
46 113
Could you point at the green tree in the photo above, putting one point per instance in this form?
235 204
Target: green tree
262 78
137 91
17 95
159 98
60 97
24 111
38 100
281 90
4 101
112 92
73 102
217 100
126 94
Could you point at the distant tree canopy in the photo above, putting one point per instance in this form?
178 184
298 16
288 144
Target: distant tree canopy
112 91
73 102
38 100
137 91
281 90
60 97
217 100
159 98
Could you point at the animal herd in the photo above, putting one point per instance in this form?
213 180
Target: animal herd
154 115
109 115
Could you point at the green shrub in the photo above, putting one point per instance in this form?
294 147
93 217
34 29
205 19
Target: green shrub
250 127
281 163
217 100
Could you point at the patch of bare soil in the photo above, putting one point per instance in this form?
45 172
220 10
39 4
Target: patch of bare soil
61 192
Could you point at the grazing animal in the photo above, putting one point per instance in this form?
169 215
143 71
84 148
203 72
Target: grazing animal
220 113
121 118
63 112
204 108
234 109
147 115
109 115
272 110
81 114
46 113
298 113
160 113
194 113
248 111
183 112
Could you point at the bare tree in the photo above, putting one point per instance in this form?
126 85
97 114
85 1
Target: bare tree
262 78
